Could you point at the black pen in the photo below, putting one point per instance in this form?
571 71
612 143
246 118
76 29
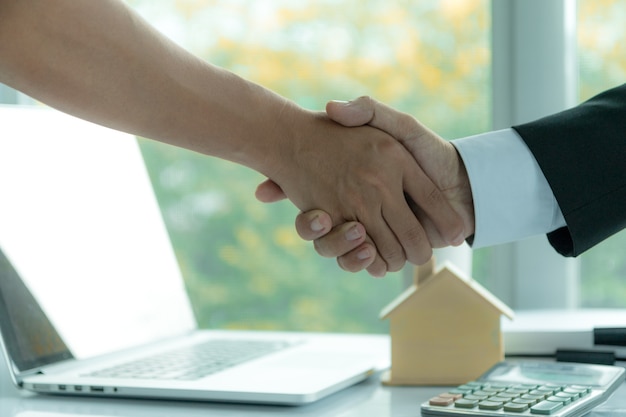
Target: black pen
609 336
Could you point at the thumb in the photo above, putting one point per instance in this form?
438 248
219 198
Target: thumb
357 112
269 192
425 146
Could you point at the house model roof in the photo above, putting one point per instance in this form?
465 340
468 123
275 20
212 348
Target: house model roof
427 277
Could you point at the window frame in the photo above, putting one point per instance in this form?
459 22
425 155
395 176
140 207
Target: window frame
534 74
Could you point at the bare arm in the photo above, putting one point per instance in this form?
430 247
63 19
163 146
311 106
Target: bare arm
100 61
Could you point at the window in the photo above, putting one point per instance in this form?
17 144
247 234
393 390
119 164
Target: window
601 36
243 263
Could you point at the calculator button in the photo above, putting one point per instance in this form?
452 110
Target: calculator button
525 386
476 397
441 401
581 388
463 403
492 390
490 405
518 391
571 395
556 399
461 391
515 407
540 394
533 397
546 407
543 390
505 394
502 398
524 401
450 395
581 392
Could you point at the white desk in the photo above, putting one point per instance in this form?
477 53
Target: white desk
367 399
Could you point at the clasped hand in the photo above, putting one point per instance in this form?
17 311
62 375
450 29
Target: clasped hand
404 192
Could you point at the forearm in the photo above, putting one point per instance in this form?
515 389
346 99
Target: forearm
582 153
100 61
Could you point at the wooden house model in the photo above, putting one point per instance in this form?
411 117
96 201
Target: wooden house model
445 329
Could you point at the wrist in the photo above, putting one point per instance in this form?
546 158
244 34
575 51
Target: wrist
463 200
286 141
263 139
466 207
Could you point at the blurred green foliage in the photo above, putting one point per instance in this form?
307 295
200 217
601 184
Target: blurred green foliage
243 263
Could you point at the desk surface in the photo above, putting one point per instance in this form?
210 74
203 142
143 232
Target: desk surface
368 398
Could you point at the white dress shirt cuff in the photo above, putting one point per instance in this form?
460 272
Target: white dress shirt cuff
512 198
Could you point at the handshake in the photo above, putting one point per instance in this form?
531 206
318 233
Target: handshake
399 195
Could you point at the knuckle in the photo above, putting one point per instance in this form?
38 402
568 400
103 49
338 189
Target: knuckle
395 259
321 248
435 197
346 263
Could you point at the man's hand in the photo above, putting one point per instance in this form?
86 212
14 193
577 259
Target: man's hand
366 176
438 159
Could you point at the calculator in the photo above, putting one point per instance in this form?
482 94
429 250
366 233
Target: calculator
529 388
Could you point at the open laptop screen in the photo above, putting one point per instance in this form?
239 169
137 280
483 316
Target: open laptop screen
81 226
29 337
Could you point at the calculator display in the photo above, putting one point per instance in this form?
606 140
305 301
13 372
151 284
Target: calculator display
557 373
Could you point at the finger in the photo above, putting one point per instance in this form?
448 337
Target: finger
420 189
363 257
366 110
314 224
428 149
351 113
410 234
436 241
437 209
341 240
269 192
389 243
378 269
360 258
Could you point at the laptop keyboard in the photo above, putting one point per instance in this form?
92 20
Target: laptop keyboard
194 362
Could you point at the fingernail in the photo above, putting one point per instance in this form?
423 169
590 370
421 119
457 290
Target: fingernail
379 274
316 225
353 233
364 254
343 102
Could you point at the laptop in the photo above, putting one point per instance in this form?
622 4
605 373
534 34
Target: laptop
92 300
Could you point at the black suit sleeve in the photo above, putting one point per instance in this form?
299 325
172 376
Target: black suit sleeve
582 153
